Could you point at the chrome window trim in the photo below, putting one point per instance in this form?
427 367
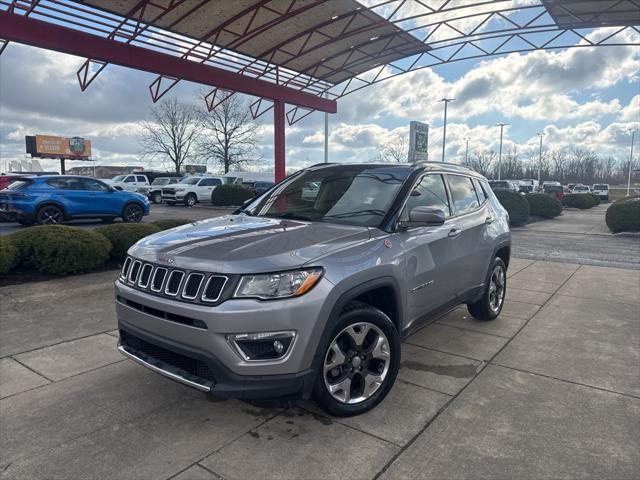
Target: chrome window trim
140 275
129 280
204 297
186 282
159 290
168 281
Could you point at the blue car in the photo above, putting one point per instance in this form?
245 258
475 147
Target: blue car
54 199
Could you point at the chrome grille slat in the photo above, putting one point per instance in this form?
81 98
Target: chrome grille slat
145 274
134 271
159 271
205 291
172 292
125 267
187 285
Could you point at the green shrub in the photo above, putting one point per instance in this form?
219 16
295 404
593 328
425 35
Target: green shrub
624 215
61 249
515 204
171 223
578 200
8 255
543 205
596 199
230 195
123 235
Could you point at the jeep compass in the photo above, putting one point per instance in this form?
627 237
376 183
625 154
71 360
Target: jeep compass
309 288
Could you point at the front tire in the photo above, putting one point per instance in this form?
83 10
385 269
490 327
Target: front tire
156 198
492 301
190 200
360 363
132 213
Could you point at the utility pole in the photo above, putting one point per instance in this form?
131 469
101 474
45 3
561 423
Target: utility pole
466 151
501 125
540 161
326 134
633 135
444 129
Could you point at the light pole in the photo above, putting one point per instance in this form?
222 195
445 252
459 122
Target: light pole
466 151
444 129
540 160
326 134
501 125
633 134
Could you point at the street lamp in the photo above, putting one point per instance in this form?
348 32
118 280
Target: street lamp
444 130
501 125
540 160
633 134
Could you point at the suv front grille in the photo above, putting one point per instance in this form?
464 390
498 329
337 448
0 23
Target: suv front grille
174 283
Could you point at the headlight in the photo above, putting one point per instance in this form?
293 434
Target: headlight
278 285
179 189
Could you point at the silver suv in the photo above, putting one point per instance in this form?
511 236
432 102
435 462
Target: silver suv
310 288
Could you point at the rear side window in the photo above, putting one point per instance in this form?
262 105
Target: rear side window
482 195
210 182
19 184
463 194
141 179
66 183
429 192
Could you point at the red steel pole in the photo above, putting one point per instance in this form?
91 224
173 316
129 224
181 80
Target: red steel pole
278 139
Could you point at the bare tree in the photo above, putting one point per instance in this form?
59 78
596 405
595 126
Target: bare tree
229 136
511 165
394 150
481 161
172 132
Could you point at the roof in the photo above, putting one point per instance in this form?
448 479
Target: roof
593 13
331 40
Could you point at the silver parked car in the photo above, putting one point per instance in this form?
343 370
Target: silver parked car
310 288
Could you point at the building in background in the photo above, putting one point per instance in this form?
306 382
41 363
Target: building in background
106 171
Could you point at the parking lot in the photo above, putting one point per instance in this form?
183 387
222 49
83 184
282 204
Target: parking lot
550 389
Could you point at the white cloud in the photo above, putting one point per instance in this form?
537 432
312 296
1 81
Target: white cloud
631 113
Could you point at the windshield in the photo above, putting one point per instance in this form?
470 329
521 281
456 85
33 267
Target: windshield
601 187
190 181
160 181
581 189
118 178
350 194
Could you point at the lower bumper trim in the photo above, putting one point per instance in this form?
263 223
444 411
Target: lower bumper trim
165 369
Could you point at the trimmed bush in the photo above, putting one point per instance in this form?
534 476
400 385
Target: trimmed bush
596 199
123 235
171 223
515 204
578 200
8 255
61 249
624 215
544 205
230 195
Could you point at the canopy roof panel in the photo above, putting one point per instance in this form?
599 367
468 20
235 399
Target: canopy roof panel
331 40
593 13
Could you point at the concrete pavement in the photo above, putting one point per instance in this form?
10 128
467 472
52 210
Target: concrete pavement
550 389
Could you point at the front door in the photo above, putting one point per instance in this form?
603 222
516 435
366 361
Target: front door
102 200
205 188
429 255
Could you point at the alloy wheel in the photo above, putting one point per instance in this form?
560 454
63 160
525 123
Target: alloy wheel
496 288
356 363
133 213
50 215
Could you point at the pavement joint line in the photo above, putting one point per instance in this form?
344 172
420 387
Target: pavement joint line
479 370
217 475
422 387
444 324
573 382
57 343
32 370
447 353
608 300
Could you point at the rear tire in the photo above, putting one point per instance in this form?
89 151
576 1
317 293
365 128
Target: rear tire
49 215
360 362
492 301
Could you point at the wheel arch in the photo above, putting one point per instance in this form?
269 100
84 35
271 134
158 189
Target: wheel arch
56 203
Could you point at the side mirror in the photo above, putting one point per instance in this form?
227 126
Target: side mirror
425 216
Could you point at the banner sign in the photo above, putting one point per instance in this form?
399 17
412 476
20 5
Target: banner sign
418 141
49 146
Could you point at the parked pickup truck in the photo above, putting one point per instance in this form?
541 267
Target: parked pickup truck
191 190
131 182
154 191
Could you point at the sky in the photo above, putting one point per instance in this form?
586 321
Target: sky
581 97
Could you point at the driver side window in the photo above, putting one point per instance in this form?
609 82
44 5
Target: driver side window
428 192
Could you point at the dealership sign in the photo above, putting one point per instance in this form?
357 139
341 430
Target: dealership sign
418 141
49 146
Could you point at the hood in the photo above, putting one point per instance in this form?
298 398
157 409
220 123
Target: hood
245 244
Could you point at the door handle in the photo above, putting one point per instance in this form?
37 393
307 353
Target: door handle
454 233
489 220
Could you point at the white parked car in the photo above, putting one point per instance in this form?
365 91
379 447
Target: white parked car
601 190
192 190
581 189
130 182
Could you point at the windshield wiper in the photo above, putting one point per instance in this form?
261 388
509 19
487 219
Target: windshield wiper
291 216
358 213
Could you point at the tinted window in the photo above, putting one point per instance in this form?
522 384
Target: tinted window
429 192
463 193
130 179
160 181
66 183
190 180
600 187
141 179
482 195
95 185
19 184
210 182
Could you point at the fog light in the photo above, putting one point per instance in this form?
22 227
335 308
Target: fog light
262 346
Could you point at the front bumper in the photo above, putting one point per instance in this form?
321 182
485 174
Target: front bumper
212 363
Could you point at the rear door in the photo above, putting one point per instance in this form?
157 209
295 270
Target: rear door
468 229
72 194
429 257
